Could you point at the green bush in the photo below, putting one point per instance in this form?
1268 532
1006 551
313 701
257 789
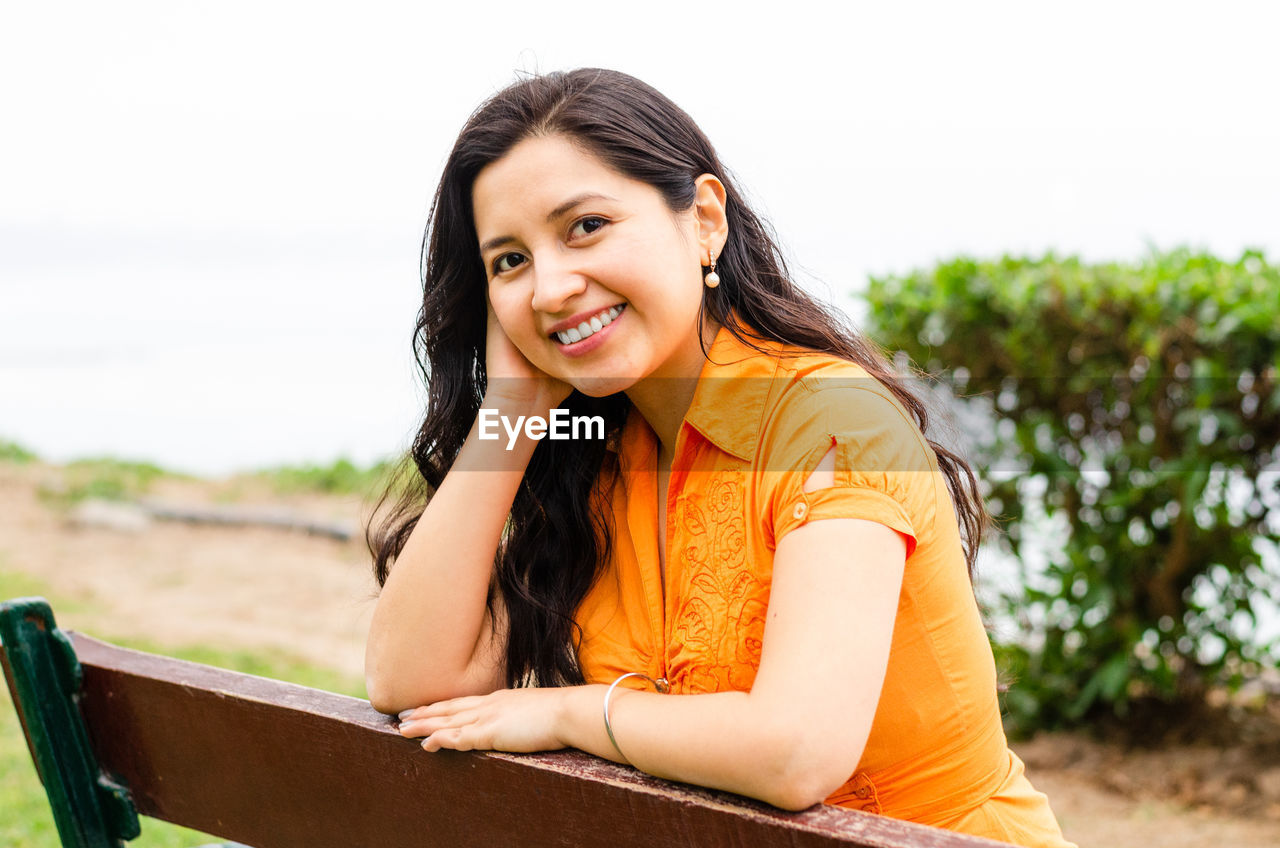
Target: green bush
1133 425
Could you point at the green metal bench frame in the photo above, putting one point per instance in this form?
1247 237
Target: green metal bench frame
90 808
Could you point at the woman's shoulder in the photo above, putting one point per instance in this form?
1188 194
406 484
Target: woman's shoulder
795 400
808 371
842 399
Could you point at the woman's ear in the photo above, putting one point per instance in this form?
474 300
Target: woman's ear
710 210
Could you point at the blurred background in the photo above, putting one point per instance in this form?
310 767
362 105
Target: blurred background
210 214
210 218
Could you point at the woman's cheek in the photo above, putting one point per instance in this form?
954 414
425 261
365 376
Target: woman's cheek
515 320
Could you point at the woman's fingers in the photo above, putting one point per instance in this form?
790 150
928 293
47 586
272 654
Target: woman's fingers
431 724
506 720
453 738
438 708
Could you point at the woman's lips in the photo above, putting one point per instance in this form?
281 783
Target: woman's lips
593 341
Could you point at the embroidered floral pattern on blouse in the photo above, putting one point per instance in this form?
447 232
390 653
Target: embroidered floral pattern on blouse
718 624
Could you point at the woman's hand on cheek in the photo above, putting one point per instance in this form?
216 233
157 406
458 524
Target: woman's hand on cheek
512 377
517 720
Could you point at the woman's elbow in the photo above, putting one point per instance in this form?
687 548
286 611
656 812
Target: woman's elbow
391 693
391 696
804 790
810 771
392 686
382 696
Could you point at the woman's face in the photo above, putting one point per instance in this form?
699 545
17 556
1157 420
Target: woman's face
592 277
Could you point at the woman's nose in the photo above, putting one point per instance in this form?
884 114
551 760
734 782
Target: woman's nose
554 284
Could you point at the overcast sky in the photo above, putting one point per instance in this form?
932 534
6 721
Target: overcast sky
210 212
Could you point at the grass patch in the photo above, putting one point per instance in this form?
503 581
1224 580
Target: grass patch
341 477
16 584
15 453
110 478
105 478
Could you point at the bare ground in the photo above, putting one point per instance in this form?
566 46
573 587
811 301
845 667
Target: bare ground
179 584
254 588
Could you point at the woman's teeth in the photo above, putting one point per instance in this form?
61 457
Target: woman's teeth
589 328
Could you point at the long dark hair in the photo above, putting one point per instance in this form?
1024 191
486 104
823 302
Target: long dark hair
558 535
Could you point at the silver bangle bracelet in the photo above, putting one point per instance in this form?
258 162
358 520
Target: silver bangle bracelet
660 685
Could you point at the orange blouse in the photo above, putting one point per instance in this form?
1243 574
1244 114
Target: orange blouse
758 426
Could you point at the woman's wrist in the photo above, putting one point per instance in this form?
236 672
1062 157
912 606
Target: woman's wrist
490 447
578 713
515 425
512 405
517 397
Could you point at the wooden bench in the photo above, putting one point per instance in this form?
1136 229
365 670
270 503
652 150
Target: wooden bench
116 733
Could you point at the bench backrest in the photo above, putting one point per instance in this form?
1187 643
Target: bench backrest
275 765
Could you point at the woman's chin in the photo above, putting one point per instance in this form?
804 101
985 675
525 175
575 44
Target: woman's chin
598 387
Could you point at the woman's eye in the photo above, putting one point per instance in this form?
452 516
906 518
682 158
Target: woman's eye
506 262
587 226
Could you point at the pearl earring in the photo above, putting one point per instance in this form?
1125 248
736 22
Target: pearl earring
712 279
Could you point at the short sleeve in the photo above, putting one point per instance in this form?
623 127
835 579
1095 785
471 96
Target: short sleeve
883 466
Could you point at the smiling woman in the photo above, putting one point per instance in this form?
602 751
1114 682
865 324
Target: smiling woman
765 535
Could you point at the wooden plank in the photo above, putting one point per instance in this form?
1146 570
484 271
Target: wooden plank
276 765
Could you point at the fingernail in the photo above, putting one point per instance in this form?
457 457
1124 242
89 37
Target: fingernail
405 714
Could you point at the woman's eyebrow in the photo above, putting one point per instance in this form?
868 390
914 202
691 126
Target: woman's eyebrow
499 241
574 201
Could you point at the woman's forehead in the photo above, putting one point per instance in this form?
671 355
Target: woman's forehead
539 175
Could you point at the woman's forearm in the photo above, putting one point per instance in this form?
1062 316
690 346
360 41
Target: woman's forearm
427 639
800 732
724 740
